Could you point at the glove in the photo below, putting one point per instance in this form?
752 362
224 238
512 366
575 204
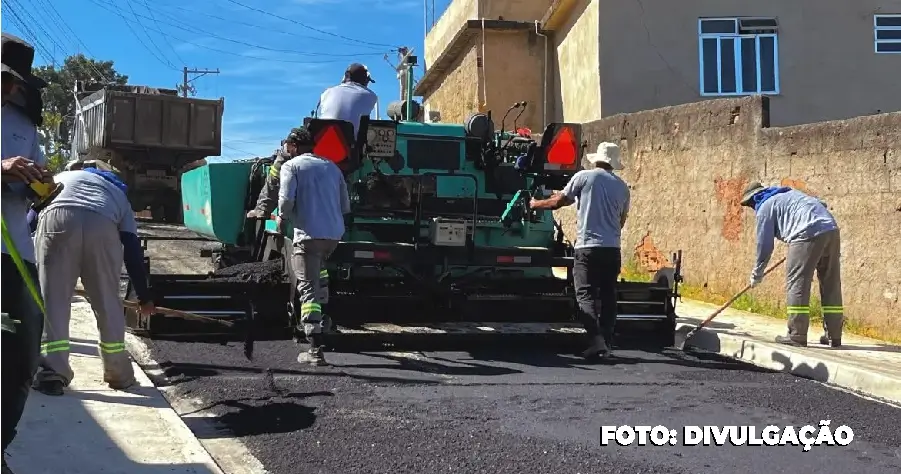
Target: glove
754 280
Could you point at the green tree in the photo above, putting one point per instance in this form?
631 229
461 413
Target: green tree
53 146
59 97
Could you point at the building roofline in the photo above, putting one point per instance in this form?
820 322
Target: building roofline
457 44
557 13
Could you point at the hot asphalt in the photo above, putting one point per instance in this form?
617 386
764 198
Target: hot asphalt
506 411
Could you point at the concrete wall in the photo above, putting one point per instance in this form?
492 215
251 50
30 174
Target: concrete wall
649 56
459 93
575 74
447 27
513 69
688 164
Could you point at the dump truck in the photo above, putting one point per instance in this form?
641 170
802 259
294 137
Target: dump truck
147 134
440 241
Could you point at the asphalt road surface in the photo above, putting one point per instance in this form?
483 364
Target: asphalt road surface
508 411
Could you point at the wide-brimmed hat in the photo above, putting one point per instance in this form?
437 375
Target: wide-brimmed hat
358 73
607 153
17 58
747 196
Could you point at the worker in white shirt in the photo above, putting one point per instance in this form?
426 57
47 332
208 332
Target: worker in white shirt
351 99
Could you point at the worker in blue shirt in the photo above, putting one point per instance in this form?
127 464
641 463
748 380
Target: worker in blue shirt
87 232
814 244
23 163
313 198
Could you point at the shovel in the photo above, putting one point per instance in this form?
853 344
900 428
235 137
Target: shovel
684 334
172 313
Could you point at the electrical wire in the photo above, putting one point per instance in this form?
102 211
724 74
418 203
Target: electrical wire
162 57
166 39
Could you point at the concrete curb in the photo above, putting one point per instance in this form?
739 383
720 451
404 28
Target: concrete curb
808 363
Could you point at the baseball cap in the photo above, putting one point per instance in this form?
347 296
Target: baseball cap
358 73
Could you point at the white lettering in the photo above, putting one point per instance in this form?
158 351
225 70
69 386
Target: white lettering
692 435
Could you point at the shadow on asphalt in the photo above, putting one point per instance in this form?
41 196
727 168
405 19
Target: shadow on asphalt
819 372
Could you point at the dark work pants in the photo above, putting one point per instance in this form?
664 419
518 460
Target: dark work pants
594 273
20 349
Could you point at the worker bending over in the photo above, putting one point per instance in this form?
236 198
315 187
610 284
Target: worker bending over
812 235
269 194
313 197
602 202
23 163
86 232
351 99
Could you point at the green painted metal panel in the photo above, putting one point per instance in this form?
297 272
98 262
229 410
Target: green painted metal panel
213 199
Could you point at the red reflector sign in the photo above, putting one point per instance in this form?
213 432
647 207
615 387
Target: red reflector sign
563 149
330 144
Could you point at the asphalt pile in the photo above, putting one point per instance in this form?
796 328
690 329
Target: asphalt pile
269 272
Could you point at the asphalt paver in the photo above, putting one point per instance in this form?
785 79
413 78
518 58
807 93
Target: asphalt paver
508 411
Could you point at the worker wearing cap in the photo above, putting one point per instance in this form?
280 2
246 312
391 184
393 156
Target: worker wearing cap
23 163
351 99
602 201
814 244
87 232
313 197
269 194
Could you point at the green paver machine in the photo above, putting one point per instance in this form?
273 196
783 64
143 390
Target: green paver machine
440 240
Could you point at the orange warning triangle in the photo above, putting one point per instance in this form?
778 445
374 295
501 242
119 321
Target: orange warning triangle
563 148
331 145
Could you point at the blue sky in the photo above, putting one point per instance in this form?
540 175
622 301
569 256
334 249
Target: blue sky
272 70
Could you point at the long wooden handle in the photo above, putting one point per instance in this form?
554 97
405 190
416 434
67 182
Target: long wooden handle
167 311
737 296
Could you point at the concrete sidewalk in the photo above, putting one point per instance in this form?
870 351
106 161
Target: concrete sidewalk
865 365
93 429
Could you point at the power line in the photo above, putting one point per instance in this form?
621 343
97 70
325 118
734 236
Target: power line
150 11
63 27
186 84
162 57
244 43
306 26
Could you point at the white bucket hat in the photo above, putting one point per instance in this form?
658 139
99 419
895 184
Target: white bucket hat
607 153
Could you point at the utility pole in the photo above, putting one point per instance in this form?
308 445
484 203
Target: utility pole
403 69
186 85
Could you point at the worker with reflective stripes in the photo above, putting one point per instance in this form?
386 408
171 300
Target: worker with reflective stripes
313 196
269 194
87 232
23 163
814 244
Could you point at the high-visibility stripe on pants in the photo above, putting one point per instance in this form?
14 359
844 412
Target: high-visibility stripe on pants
54 346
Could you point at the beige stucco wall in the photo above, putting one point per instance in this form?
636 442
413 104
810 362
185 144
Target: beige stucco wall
828 69
458 94
575 91
513 68
447 27
518 10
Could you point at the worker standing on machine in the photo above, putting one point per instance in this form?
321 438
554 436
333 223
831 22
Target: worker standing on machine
269 194
814 244
23 164
351 99
602 201
313 197
87 232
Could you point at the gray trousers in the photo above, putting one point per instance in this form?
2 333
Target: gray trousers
308 262
74 243
823 255
268 199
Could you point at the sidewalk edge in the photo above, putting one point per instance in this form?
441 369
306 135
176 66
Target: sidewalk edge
797 362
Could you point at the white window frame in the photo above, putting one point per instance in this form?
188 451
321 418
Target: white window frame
877 29
736 37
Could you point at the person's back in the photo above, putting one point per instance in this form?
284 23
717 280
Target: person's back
320 198
347 101
601 201
797 216
87 190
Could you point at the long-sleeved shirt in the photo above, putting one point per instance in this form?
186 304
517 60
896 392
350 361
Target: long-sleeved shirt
20 138
313 196
348 101
791 216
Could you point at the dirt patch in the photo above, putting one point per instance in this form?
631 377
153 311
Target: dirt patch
649 256
728 193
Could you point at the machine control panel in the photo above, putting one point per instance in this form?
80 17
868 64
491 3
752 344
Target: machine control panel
381 138
447 232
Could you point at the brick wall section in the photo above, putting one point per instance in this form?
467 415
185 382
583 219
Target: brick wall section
688 164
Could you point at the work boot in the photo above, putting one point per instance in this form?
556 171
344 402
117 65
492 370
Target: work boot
120 384
796 341
598 348
257 214
827 341
312 357
49 387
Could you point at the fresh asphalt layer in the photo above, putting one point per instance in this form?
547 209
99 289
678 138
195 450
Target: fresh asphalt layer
507 410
